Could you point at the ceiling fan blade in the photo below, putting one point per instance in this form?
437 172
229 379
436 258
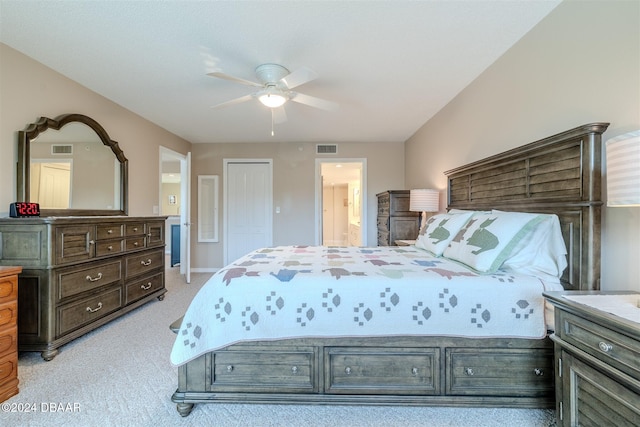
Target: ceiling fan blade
312 101
233 79
234 101
299 77
279 115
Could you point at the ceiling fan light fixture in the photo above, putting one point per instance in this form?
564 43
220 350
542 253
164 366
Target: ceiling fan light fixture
272 97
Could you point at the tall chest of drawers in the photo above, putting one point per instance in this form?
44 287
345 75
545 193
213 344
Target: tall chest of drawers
79 273
395 220
8 332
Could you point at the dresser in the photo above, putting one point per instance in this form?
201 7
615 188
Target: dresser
395 220
597 358
79 273
8 332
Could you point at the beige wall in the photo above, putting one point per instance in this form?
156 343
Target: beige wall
293 187
581 64
30 90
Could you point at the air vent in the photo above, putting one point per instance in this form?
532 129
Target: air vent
61 149
326 149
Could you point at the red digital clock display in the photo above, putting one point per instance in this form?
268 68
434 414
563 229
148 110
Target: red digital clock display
24 209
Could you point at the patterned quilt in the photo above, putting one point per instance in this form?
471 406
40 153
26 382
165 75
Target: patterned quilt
315 291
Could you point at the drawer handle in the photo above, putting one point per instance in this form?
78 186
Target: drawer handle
110 247
109 231
149 235
229 368
539 372
92 242
146 288
414 371
93 310
135 243
146 263
469 372
94 279
605 347
347 370
135 228
294 370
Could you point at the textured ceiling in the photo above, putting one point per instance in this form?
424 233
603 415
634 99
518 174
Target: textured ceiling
391 65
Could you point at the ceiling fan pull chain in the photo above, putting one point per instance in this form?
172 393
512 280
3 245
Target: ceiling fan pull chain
272 132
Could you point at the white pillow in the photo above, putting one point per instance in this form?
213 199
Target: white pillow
542 253
488 239
440 230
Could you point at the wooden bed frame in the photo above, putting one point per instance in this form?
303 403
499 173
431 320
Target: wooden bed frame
559 174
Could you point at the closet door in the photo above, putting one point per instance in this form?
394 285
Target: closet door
249 201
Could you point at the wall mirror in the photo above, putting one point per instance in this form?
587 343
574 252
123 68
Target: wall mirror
71 167
207 208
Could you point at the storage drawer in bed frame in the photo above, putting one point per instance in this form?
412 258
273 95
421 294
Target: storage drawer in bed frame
416 371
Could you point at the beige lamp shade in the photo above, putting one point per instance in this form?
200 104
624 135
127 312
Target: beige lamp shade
623 170
424 200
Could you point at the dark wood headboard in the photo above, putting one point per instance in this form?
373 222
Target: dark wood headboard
560 174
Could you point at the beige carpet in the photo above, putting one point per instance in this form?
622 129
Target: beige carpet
120 375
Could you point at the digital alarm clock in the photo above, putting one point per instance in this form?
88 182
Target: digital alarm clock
24 209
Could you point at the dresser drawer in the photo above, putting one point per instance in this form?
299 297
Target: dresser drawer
134 229
265 371
499 372
612 347
382 370
109 231
8 314
8 367
74 315
8 340
143 263
74 280
143 287
8 289
109 247
133 243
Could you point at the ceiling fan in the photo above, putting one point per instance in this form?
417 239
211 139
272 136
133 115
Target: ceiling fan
276 84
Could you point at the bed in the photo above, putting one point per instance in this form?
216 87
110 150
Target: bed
251 336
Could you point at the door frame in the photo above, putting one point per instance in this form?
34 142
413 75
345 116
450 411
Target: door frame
225 196
363 192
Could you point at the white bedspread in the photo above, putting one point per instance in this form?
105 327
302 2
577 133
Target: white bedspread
302 291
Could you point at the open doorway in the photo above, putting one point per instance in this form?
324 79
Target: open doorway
340 201
174 203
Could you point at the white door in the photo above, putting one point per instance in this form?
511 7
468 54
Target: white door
248 201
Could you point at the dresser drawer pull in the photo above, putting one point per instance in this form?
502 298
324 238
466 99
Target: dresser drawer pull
414 371
135 244
147 287
539 372
469 372
347 370
92 242
229 368
109 231
605 347
93 310
149 235
110 247
135 229
94 279
294 370
146 263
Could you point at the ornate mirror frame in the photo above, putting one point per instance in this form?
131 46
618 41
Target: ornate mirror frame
26 136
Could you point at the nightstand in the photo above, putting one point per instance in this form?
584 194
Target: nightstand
597 357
